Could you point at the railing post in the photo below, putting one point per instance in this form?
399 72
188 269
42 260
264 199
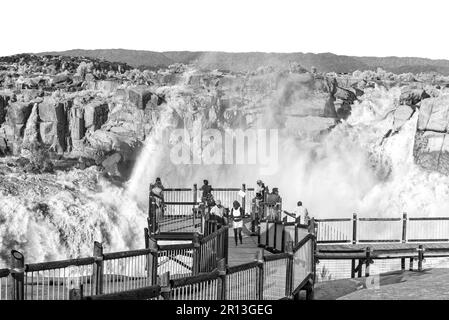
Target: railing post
97 276
152 257
420 257
354 228
360 266
17 275
404 237
354 241
195 210
367 261
221 288
260 264
195 192
165 286
152 223
244 198
196 254
76 293
226 244
313 226
289 271
146 237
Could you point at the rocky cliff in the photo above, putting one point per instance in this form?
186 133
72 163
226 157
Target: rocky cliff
85 111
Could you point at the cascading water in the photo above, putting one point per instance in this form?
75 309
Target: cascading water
354 168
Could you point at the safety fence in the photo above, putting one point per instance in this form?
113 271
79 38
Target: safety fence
335 262
393 229
180 211
106 273
275 235
276 276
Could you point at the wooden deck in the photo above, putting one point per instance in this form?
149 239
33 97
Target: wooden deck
243 253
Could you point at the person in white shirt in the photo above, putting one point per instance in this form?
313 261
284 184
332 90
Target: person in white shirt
302 213
236 215
217 212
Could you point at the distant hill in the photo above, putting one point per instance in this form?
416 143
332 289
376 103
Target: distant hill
324 62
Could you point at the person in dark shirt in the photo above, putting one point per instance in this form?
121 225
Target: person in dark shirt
207 198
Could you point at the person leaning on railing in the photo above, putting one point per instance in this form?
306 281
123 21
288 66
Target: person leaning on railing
157 192
207 198
261 190
274 205
302 211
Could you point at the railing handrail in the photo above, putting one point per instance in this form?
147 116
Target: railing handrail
139 293
50 265
178 246
303 241
214 234
175 283
127 254
243 267
4 272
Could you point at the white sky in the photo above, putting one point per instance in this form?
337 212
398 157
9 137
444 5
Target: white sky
351 27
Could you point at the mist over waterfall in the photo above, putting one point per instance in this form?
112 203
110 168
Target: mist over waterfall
356 167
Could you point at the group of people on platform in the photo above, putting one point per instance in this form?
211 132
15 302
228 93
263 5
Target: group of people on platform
264 205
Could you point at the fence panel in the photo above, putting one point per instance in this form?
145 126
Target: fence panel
53 281
334 230
279 237
289 234
122 272
271 234
428 229
263 229
4 284
379 230
177 195
204 287
242 283
185 219
177 261
208 254
302 263
275 279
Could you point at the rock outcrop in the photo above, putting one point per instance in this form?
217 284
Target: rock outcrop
431 150
90 109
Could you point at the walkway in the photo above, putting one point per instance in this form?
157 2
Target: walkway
243 253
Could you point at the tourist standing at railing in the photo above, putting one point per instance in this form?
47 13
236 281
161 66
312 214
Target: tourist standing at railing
301 211
236 216
274 205
217 212
207 198
260 196
157 192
